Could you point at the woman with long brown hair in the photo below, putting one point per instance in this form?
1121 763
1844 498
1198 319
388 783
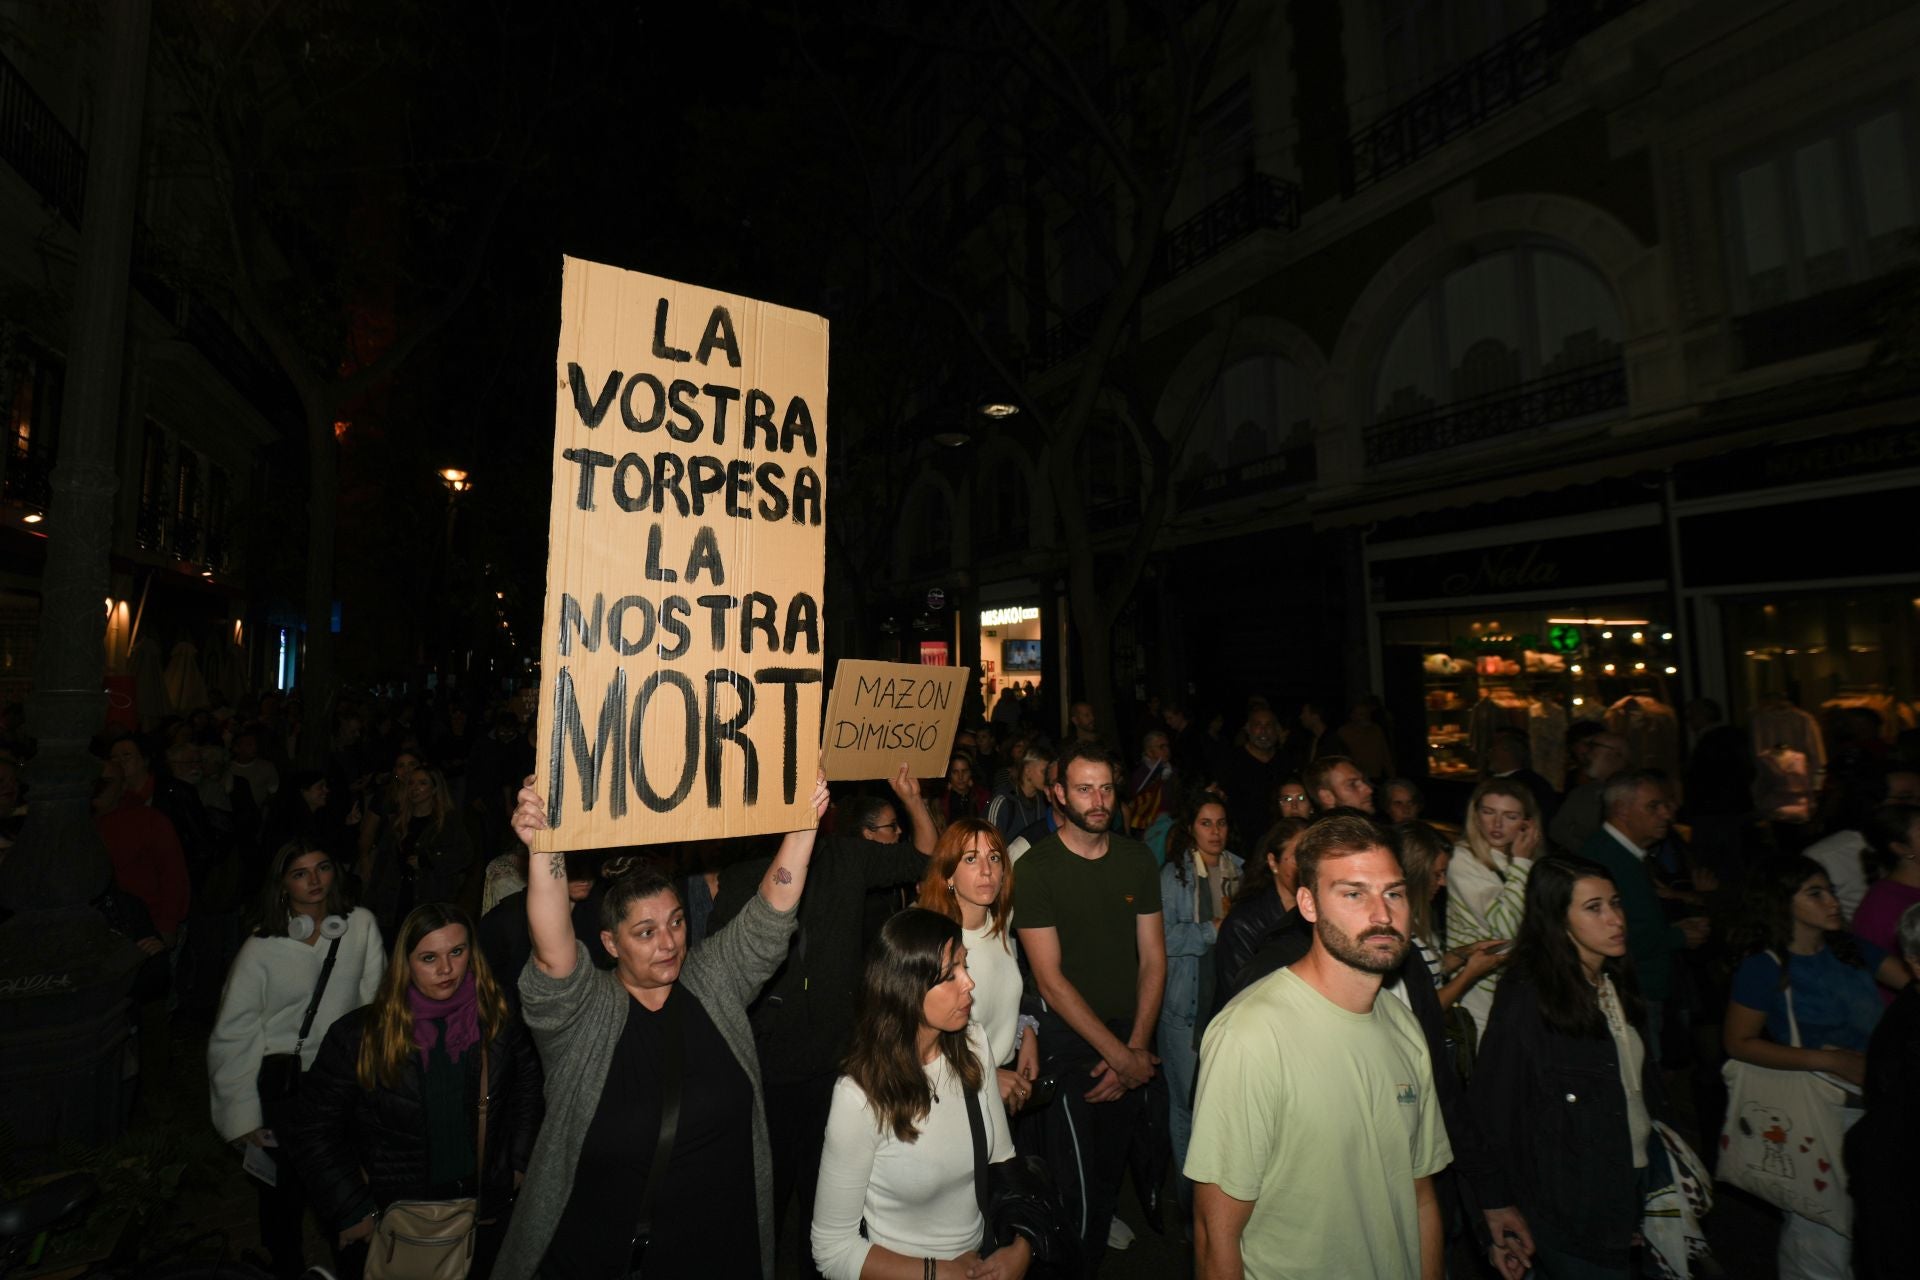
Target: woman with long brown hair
899 1154
430 1093
970 880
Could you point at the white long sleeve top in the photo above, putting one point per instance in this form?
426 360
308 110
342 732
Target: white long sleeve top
267 992
917 1198
994 965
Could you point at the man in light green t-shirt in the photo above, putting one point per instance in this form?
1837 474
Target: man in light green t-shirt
1316 1130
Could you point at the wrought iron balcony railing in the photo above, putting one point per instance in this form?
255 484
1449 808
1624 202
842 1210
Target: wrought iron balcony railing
1261 203
38 146
1561 397
1486 85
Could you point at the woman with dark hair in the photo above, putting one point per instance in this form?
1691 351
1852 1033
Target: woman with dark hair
308 938
1262 906
392 1109
1795 943
1290 800
899 1151
1198 883
970 879
423 854
1564 1089
1893 836
656 1124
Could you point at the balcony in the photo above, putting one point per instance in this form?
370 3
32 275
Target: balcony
1066 339
1561 397
1261 203
1487 85
38 146
1835 318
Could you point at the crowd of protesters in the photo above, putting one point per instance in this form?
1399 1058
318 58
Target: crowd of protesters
1325 1023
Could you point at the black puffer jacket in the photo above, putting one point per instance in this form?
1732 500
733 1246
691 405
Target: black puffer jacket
343 1130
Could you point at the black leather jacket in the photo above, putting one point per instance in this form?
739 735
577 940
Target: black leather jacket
356 1149
1555 1112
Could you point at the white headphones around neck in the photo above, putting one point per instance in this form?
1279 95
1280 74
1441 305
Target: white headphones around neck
300 928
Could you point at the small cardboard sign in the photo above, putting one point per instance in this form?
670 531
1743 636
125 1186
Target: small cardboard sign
882 715
680 648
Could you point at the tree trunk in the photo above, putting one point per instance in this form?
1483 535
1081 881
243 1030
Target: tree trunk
323 502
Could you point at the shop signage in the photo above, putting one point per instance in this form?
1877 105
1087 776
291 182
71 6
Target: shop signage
1009 616
1563 639
882 715
936 599
680 651
1767 466
1547 564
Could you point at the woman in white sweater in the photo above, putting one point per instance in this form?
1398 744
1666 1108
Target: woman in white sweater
1487 883
304 917
899 1147
970 879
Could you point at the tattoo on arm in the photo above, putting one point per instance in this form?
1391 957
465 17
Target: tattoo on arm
557 865
782 876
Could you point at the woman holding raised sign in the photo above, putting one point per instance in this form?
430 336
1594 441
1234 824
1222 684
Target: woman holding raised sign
654 1112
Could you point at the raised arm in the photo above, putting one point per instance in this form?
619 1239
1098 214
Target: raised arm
549 910
787 876
913 807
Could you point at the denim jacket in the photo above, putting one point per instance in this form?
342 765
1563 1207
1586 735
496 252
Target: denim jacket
1189 940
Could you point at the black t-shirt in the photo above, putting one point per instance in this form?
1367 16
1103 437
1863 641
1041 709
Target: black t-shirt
706 1221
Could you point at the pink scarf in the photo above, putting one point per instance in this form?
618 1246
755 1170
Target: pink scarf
460 1012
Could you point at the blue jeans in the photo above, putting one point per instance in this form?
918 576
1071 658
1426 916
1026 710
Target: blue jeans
1180 1064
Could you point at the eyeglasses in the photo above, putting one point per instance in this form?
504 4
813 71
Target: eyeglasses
1298 797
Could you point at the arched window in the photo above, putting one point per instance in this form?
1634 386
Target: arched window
1530 335
1260 407
930 525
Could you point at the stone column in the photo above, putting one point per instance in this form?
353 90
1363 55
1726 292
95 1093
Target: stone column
66 706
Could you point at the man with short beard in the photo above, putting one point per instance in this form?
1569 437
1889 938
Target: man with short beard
1316 1130
1250 773
1090 925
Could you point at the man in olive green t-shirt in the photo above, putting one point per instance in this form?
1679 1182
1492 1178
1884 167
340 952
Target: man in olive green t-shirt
1088 913
1316 1129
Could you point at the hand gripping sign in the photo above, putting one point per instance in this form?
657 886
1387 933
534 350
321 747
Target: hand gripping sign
680 648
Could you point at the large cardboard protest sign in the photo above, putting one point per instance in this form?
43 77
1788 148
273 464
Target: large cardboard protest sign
680 650
882 715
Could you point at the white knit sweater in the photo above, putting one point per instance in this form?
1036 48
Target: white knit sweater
266 995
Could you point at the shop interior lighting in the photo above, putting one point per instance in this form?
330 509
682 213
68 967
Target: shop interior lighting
1579 702
34 517
1607 622
1606 635
1608 668
1666 635
1639 666
1639 636
1673 671
1575 668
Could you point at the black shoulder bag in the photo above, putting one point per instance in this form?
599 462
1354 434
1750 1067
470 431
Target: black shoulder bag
672 1066
1017 1198
279 1080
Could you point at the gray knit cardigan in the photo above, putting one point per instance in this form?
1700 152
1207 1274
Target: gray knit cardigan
576 1022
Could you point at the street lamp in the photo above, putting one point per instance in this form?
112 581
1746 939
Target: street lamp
455 479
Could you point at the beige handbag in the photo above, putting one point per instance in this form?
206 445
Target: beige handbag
432 1239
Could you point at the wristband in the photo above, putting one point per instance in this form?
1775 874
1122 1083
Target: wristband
1028 1023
